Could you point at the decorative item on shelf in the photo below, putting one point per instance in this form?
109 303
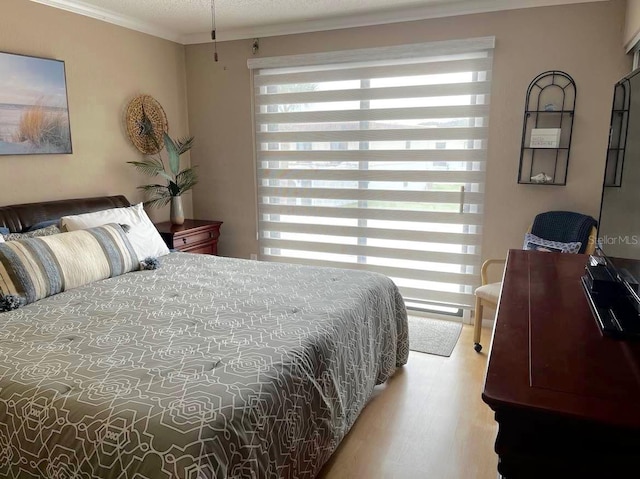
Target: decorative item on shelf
545 137
541 178
146 123
178 181
547 129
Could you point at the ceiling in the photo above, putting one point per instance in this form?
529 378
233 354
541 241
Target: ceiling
189 21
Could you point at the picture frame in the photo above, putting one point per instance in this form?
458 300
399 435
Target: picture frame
34 106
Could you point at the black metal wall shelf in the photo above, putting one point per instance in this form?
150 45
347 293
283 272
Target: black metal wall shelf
544 148
618 134
550 104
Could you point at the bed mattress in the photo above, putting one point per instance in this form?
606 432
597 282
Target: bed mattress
208 367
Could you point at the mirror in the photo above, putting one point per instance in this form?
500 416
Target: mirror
619 225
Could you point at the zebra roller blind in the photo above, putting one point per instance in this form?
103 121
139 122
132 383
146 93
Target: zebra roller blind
375 159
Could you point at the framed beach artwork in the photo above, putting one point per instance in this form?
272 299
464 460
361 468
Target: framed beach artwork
34 111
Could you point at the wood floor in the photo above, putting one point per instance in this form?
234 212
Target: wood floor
428 421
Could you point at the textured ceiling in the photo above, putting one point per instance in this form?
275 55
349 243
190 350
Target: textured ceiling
189 21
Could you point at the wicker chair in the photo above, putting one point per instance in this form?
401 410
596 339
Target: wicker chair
561 226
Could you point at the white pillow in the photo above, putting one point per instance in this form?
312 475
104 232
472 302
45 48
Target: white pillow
144 237
1 239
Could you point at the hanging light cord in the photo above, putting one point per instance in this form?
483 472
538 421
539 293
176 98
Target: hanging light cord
213 30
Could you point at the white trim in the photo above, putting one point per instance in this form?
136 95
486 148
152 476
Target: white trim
466 316
440 10
255 155
487 323
633 45
433 315
108 16
414 50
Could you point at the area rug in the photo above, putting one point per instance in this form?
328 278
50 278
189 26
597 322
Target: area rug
433 336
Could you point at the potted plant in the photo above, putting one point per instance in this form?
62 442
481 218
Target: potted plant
178 181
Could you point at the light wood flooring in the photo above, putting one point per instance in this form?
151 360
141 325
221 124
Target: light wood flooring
428 421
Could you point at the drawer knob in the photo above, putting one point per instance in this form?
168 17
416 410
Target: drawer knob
184 240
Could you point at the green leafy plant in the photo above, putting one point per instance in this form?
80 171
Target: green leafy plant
178 181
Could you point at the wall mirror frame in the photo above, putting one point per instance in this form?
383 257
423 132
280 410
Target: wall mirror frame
618 133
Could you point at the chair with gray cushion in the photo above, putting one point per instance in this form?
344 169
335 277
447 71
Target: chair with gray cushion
561 227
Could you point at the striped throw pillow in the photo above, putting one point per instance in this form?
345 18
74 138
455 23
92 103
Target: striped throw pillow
39 267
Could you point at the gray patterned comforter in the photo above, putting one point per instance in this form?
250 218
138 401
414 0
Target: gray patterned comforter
206 368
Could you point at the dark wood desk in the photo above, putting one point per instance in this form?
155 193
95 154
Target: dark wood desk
566 398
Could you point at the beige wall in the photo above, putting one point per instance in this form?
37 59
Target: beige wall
106 66
632 22
584 40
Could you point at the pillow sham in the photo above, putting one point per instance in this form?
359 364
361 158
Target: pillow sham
533 242
143 235
36 268
48 231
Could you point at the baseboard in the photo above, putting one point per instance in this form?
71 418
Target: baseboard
468 316
429 314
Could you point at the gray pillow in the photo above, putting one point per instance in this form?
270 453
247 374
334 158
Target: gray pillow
48 231
533 242
42 224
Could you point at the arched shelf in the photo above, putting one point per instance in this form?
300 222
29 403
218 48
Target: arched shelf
547 129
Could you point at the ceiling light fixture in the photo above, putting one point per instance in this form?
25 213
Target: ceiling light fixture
213 30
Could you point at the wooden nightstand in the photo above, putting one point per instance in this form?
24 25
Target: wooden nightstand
194 236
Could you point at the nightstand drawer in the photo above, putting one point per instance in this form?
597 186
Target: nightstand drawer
186 240
206 248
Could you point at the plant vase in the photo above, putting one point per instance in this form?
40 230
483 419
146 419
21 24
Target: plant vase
177 213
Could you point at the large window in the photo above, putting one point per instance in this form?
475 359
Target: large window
375 159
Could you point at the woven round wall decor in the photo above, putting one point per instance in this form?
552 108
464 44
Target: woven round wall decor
145 121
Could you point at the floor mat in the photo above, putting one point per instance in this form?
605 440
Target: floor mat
433 336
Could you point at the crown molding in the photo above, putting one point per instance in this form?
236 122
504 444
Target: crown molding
425 12
440 10
633 45
81 8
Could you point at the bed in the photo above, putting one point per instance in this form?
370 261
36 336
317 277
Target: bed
207 367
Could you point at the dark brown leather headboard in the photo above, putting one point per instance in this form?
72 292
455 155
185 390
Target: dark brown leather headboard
19 217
